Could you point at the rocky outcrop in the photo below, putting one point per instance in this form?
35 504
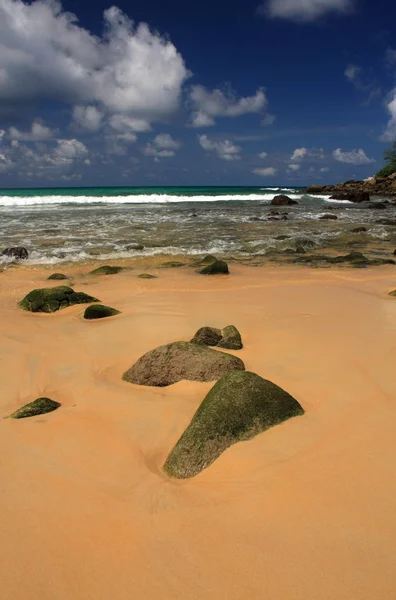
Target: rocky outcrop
41 406
228 338
17 252
179 361
357 190
100 311
356 197
282 200
238 407
50 300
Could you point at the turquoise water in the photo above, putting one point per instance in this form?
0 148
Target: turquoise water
60 225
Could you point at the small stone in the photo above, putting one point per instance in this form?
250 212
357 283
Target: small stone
58 276
147 276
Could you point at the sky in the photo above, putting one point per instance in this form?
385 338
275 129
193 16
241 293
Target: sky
154 92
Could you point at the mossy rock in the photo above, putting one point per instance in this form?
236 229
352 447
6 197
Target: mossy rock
171 264
106 270
179 361
353 259
100 311
237 408
58 276
49 300
147 276
41 406
230 338
393 293
217 267
207 336
209 259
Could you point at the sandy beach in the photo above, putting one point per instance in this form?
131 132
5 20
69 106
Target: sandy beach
305 511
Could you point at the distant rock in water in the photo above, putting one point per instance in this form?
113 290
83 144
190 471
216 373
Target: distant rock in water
239 406
134 247
100 311
282 200
106 270
353 259
228 338
41 406
50 300
358 230
379 205
179 361
17 252
328 217
58 276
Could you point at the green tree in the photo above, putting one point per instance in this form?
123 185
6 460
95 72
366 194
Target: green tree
390 158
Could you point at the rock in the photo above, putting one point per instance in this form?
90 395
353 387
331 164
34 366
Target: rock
328 217
313 189
147 276
356 260
49 300
209 258
392 293
392 176
379 205
230 338
356 197
358 230
171 264
207 336
282 237
386 222
181 360
106 270
394 252
239 406
217 267
99 311
58 276
17 252
134 247
41 406
282 200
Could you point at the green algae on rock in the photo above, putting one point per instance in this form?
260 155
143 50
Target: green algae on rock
106 270
172 264
41 406
147 276
207 336
100 311
228 338
58 276
179 361
237 408
50 300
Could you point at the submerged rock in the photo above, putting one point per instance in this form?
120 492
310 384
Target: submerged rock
238 407
106 270
147 276
181 360
100 311
50 300
18 252
58 276
359 230
134 247
172 264
282 200
41 406
328 217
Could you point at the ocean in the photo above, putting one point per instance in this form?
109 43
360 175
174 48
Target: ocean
63 225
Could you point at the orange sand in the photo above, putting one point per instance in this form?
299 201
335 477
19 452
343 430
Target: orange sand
305 511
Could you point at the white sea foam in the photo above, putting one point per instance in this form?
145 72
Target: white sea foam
133 199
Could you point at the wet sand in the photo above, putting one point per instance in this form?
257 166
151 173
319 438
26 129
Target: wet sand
305 511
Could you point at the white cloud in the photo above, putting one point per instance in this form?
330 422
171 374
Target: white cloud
166 141
45 54
266 172
68 151
208 105
324 170
226 150
37 133
389 134
87 117
299 154
149 150
294 167
124 124
352 72
355 157
263 155
304 10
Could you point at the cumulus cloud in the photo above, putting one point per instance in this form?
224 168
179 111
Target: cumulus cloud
37 133
226 150
162 146
301 154
294 167
304 10
263 155
166 141
354 157
208 105
389 134
125 124
87 117
46 54
265 172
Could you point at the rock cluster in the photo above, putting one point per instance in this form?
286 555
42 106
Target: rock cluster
357 190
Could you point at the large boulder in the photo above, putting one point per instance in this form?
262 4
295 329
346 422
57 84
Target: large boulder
50 300
41 406
282 200
100 311
181 360
238 407
17 252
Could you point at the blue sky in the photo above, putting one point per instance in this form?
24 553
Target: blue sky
211 93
